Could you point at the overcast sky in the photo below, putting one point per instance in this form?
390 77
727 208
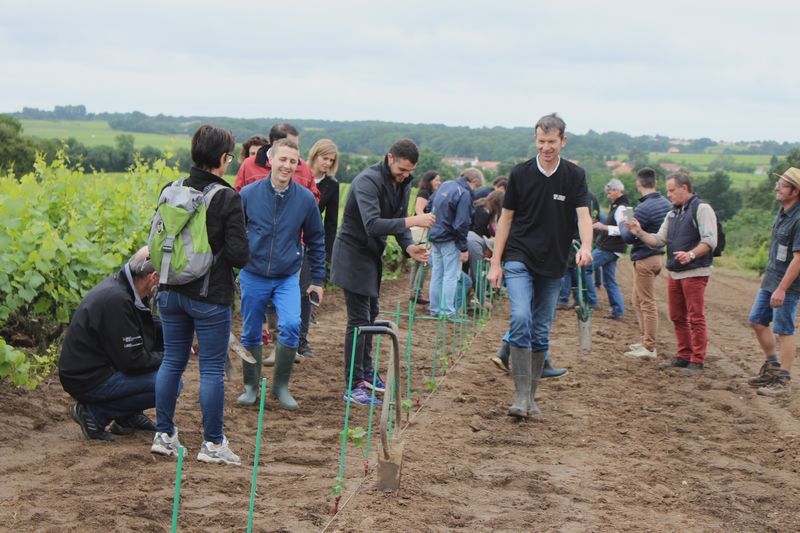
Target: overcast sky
724 69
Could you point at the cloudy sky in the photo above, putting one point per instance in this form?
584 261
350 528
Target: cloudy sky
726 70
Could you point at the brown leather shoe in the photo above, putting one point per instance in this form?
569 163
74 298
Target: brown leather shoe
675 362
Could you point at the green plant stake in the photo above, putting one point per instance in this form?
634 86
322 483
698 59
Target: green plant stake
255 457
177 498
337 488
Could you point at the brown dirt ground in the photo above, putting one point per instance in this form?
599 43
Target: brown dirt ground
621 446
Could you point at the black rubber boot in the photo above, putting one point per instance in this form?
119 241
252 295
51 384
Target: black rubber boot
500 359
537 363
521 370
251 376
282 372
549 371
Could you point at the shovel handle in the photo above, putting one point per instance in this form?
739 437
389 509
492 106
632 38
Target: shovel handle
387 327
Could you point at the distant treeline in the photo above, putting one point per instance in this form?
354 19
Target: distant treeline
373 137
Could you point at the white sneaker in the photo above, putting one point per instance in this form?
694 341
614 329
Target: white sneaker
218 453
635 346
642 353
163 444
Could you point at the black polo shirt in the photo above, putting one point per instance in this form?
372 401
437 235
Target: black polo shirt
785 240
544 215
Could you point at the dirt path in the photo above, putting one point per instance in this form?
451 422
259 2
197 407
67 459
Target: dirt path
621 446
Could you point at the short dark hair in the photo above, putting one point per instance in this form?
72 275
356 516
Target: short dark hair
209 143
681 178
551 122
647 177
254 140
281 131
405 149
500 181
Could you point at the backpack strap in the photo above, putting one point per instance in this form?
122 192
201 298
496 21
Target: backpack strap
208 194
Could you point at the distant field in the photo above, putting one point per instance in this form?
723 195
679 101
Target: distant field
739 180
705 159
98 133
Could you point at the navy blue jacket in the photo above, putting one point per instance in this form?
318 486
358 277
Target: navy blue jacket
275 224
452 205
650 213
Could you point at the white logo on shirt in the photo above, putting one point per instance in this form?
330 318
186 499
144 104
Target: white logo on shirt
559 197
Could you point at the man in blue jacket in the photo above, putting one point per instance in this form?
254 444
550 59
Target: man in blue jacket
647 262
452 205
278 213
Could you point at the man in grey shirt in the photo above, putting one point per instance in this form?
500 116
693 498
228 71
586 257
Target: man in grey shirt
690 233
776 301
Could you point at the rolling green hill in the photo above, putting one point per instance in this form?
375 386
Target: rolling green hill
98 133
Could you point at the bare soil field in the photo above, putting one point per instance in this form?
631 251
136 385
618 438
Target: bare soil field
620 446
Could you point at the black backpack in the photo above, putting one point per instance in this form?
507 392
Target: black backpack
720 232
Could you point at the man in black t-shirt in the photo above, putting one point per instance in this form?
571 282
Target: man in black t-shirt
533 239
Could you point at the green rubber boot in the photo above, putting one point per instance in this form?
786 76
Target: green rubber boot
282 371
251 376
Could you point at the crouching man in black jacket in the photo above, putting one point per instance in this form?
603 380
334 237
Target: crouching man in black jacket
112 351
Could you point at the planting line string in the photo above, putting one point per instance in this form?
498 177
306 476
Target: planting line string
256 455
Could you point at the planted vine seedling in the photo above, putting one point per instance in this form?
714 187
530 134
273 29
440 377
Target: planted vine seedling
336 492
357 436
406 405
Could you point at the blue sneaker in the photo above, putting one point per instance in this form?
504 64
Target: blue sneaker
361 396
380 386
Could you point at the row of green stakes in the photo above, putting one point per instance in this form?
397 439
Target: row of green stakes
179 470
464 325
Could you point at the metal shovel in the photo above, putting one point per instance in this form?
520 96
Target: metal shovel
390 456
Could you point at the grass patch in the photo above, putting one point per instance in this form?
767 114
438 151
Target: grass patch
98 133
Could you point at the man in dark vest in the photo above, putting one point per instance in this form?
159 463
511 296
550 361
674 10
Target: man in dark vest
690 233
647 262
609 246
376 207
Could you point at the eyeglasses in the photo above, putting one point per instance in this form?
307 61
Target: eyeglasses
228 157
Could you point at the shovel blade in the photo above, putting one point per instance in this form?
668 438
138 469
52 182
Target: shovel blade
389 468
585 336
239 350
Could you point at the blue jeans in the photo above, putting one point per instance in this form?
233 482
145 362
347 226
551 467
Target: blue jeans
608 262
119 396
181 318
784 316
257 291
533 303
445 269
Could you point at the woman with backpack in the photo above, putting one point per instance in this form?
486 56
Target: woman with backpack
201 306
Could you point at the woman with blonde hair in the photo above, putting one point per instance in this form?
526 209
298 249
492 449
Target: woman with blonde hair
323 160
